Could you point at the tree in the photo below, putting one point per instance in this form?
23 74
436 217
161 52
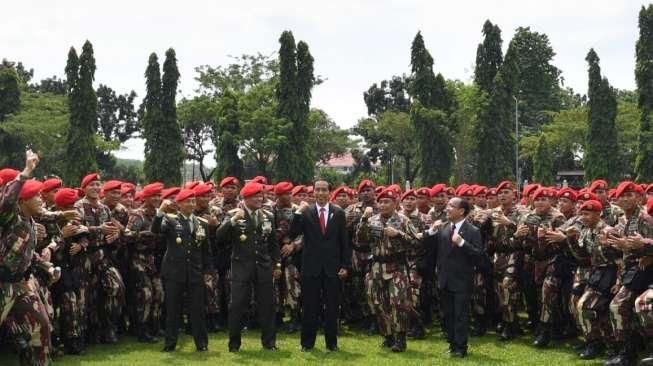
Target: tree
644 78
198 117
226 136
601 144
390 95
9 92
543 163
80 141
171 144
152 119
302 130
239 77
117 122
326 138
488 57
430 114
535 79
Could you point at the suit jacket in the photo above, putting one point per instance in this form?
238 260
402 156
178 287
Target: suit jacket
329 252
253 244
456 264
188 260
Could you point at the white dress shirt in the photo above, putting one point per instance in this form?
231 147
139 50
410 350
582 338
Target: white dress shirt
326 213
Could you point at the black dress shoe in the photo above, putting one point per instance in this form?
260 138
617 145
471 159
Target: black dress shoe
233 349
168 349
270 348
202 349
307 349
332 348
458 354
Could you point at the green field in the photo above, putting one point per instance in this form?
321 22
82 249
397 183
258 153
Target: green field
355 349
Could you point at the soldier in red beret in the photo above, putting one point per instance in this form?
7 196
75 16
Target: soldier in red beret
611 213
492 198
299 194
50 187
567 202
356 306
255 261
342 196
23 314
127 191
105 305
423 200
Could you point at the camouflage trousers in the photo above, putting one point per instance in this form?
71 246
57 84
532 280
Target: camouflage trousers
644 311
72 298
621 314
552 297
148 296
389 296
354 293
212 292
107 294
508 292
592 310
581 276
416 292
293 290
25 318
479 297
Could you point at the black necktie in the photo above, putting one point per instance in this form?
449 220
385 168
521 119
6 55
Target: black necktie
453 228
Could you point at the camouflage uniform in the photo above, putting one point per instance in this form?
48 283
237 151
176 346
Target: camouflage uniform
289 283
22 312
483 299
551 268
644 311
119 255
387 283
431 286
592 308
581 272
221 253
507 264
354 296
633 280
107 289
417 274
147 288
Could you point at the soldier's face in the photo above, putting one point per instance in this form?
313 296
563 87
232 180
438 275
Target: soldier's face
601 194
229 191
127 200
152 201
566 205
92 190
492 201
366 195
48 197
387 206
321 192
254 202
422 200
284 199
112 197
542 204
440 199
409 203
202 201
32 206
627 201
506 196
480 200
187 206
590 218
342 199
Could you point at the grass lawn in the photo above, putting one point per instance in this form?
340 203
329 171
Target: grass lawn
355 349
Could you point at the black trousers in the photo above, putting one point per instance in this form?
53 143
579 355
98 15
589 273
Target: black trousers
174 297
318 292
241 292
455 311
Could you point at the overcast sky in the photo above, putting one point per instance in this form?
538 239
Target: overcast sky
354 43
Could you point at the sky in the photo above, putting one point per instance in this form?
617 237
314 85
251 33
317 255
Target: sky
354 43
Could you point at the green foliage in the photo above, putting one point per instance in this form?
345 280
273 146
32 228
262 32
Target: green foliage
644 78
489 57
227 134
543 163
470 102
198 117
82 102
388 95
601 147
239 77
9 92
326 138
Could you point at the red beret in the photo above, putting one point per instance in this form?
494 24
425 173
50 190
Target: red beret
184 194
365 184
111 185
298 189
461 188
229 181
591 205
437 189
51 184
202 189
309 189
152 189
387 193
543 192
341 189
66 197
88 179
168 192
480 190
492 191
127 188
586 196
379 189
269 188
598 184
191 184
8 174
567 193
530 188
396 188
260 179
639 188
30 189
251 188
450 191
611 193
423 191
408 193
466 192
649 206
506 184
625 187
283 188
138 196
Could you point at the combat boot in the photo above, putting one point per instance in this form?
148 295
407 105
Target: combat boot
542 340
388 342
400 343
592 350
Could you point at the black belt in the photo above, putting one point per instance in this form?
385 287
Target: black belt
393 258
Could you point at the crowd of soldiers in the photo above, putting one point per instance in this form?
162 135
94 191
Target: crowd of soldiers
81 266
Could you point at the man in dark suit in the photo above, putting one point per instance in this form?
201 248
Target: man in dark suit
455 247
326 258
255 260
184 265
